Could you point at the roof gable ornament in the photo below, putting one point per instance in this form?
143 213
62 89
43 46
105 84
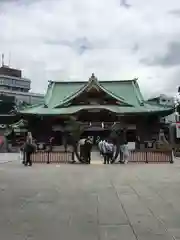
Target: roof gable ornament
93 83
50 82
93 78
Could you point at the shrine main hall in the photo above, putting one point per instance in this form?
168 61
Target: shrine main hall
97 105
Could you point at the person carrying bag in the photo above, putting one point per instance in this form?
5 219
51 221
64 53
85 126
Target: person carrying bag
29 148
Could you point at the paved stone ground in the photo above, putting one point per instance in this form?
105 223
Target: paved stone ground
8 157
90 202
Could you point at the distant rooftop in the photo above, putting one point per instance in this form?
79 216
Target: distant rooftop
12 72
11 79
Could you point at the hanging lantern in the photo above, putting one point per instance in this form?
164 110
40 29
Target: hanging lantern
102 124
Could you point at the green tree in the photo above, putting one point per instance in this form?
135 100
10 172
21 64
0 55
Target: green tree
75 129
115 132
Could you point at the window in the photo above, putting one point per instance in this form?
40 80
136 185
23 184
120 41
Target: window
2 81
9 82
17 83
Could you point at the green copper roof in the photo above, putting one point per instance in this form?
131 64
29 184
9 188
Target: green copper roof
59 91
60 94
125 90
74 109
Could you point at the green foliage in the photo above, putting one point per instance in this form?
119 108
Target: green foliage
115 132
76 127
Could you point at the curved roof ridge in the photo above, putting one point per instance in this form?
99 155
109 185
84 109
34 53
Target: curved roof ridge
91 80
116 109
113 94
139 96
147 102
32 106
48 95
68 98
101 81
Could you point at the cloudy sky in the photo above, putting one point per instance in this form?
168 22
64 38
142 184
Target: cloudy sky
115 39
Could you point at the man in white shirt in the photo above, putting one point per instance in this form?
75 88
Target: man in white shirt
124 152
100 147
103 147
81 147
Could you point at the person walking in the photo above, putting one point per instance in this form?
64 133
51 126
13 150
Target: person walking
107 151
100 147
29 149
22 153
112 150
81 148
124 151
87 150
103 149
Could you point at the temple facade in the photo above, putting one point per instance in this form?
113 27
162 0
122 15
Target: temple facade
98 106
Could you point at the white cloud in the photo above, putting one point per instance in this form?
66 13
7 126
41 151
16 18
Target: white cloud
67 39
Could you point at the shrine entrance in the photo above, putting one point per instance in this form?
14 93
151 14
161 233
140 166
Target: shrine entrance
96 135
97 123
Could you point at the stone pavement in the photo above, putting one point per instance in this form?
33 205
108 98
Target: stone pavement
9 157
90 202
